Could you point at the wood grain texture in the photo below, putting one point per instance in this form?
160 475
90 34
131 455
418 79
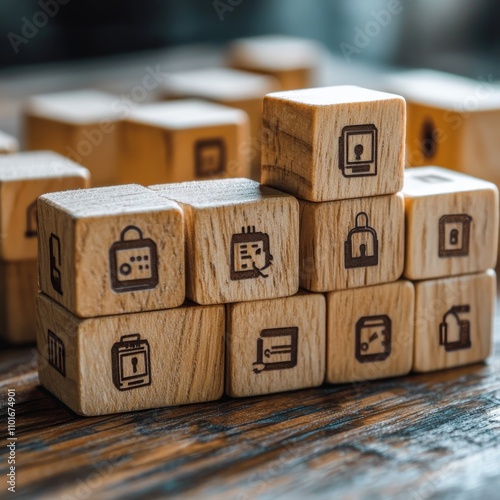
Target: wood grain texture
183 140
23 178
8 144
326 227
465 306
370 332
316 139
101 270
78 124
224 218
438 202
179 358
292 328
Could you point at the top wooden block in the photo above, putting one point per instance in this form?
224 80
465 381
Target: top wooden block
334 143
8 144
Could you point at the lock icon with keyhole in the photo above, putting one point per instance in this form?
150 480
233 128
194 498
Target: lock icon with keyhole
361 245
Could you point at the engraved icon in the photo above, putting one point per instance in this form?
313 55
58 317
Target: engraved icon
276 349
454 332
31 221
358 147
209 157
250 254
361 246
56 352
131 363
454 232
55 263
428 138
373 338
133 263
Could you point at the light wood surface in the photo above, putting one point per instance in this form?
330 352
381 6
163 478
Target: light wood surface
23 178
454 321
111 250
242 240
275 345
451 223
334 143
81 125
334 234
8 144
181 141
131 362
370 332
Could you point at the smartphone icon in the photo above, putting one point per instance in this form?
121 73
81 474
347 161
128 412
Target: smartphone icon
55 263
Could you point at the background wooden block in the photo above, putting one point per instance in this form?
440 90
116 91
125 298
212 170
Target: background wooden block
8 144
81 125
291 60
23 178
454 321
239 89
451 223
276 345
18 288
370 332
351 243
181 141
334 143
131 361
111 250
242 240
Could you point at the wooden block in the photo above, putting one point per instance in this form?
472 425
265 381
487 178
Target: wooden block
291 60
451 223
111 250
23 178
81 125
351 243
275 345
131 362
454 321
334 143
239 89
181 141
8 144
242 240
18 288
370 332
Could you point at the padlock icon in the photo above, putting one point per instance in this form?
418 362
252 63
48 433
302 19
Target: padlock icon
361 246
133 263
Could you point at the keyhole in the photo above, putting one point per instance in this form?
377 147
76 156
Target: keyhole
362 250
134 364
428 138
358 151
453 236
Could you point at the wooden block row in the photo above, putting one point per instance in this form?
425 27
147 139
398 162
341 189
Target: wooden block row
8 144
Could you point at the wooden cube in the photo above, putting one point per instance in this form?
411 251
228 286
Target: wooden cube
18 289
451 223
81 125
131 362
351 243
370 332
111 250
275 345
183 140
454 321
8 144
23 178
291 60
334 143
242 240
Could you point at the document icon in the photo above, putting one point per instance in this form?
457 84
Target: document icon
277 349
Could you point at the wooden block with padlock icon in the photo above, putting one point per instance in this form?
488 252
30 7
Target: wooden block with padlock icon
111 250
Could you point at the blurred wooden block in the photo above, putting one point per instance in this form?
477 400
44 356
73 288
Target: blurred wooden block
242 240
23 178
291 60
454 321
451 223
239 89
181 141
8 144
18 288
111 250
81 125
370 332
351 243
334 143
131 362
276 345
